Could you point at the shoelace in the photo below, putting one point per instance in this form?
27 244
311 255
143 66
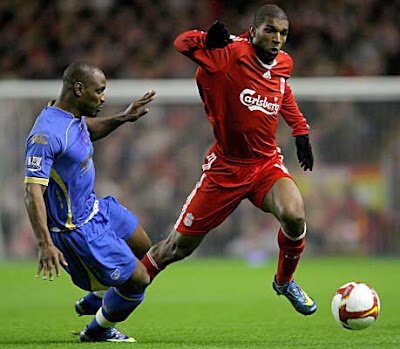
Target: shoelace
116 334
295 290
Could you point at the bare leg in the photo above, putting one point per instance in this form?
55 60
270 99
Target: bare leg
284 201
139 242
174 248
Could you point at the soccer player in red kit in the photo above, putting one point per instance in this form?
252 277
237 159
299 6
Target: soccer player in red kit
243 84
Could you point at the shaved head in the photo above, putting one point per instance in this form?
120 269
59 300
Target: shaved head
268 10
83 89
269 32
79 72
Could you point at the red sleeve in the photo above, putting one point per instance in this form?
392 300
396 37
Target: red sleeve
192 45
291 113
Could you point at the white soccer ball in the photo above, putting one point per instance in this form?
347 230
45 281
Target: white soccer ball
355 306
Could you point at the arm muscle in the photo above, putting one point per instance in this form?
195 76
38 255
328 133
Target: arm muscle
36 208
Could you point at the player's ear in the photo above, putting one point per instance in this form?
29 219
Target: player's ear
78 88
252 31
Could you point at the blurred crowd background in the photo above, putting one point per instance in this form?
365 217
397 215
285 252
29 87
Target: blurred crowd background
352 197
134 38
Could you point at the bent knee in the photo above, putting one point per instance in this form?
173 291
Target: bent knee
138 281
293 223
141 276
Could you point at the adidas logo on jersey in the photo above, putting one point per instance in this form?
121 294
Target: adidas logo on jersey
267 75
258 102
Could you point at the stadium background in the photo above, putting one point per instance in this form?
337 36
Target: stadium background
352 197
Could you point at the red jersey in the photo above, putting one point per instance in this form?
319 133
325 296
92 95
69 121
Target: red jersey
243 96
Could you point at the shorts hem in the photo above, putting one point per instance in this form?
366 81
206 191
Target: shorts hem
192 233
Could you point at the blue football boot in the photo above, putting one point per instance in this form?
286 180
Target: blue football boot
300 300
108 335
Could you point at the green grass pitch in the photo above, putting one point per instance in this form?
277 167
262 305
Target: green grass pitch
204 303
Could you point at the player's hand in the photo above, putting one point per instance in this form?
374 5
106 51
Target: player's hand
304 152
217 36
135 110
50 258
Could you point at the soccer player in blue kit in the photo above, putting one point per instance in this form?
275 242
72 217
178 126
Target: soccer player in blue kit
97 240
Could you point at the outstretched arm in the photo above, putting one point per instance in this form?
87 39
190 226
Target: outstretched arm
209 50
102 126
50 256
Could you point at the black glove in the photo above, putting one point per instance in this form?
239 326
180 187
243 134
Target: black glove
217 36
304 152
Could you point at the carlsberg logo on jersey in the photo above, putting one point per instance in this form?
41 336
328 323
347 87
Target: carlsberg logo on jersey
258 103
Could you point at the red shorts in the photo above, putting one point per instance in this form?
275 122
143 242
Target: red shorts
221 188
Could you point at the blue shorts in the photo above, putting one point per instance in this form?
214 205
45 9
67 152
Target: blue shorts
96 253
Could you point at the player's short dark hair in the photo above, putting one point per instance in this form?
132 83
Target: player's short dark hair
79 71
268 10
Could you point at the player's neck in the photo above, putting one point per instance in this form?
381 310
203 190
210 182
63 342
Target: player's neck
67 107
262 56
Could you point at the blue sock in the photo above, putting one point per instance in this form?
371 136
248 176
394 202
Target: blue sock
117 306
92 302
94 327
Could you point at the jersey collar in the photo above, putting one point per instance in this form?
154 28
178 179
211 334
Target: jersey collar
267 66
64 112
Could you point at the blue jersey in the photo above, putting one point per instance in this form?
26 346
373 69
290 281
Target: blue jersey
59 154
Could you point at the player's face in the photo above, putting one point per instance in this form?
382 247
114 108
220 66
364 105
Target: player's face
270 36
93 98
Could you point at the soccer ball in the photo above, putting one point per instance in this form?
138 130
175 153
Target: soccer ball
355 306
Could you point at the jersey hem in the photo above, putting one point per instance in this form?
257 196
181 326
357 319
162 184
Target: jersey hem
243 161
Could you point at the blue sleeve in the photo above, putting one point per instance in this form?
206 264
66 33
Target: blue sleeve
42 150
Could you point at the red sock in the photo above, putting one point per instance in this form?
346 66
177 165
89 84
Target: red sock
289 256
152 268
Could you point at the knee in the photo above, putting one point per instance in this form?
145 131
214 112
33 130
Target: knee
138 281
293 221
